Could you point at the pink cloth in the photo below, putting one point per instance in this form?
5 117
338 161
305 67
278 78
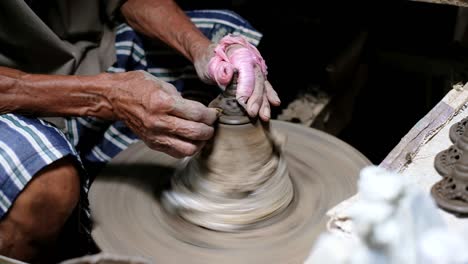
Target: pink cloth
244 58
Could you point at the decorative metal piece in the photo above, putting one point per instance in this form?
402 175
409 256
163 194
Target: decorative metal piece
457 129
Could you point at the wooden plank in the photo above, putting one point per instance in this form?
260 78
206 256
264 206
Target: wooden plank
462 3
414 157
425 129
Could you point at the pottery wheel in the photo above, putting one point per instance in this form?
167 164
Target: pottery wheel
129 219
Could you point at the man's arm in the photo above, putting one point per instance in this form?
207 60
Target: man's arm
155 111
53 95
164 20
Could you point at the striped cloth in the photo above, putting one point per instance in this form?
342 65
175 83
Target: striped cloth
29 144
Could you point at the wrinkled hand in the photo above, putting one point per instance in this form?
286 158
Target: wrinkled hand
157 113
234 53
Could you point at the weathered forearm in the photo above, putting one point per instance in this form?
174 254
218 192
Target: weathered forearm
164 20
53 95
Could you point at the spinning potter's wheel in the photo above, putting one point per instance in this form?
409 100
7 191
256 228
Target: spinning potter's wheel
129 219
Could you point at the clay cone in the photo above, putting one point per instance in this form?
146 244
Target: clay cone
238 180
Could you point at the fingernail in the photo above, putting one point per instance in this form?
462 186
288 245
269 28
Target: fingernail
219 112
266 112
277 100
242 101
254 109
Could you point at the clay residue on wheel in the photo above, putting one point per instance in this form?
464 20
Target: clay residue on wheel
130 220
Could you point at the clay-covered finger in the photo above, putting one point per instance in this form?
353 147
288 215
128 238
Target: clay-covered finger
255 101
194 111
183 128
265 111
272 95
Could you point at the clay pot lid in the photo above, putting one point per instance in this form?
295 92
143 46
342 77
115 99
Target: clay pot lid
449 197
457 129
446 159
451 193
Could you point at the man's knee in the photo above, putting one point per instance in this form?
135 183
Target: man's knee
51 195
38 214
62 182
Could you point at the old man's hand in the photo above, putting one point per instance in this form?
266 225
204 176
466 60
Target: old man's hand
234 53
157 113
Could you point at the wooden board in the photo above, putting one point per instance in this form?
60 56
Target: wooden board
462 3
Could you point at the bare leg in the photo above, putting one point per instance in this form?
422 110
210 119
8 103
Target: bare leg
33 223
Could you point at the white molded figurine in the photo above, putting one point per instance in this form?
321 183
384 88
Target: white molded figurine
393 222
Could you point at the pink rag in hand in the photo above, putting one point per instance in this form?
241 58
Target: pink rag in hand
243 58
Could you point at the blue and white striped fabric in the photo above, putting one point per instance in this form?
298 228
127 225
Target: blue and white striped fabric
29 144
26 146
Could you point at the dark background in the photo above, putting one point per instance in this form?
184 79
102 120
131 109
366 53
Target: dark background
407 60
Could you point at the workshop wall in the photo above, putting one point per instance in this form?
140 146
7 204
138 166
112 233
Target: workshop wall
384 64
